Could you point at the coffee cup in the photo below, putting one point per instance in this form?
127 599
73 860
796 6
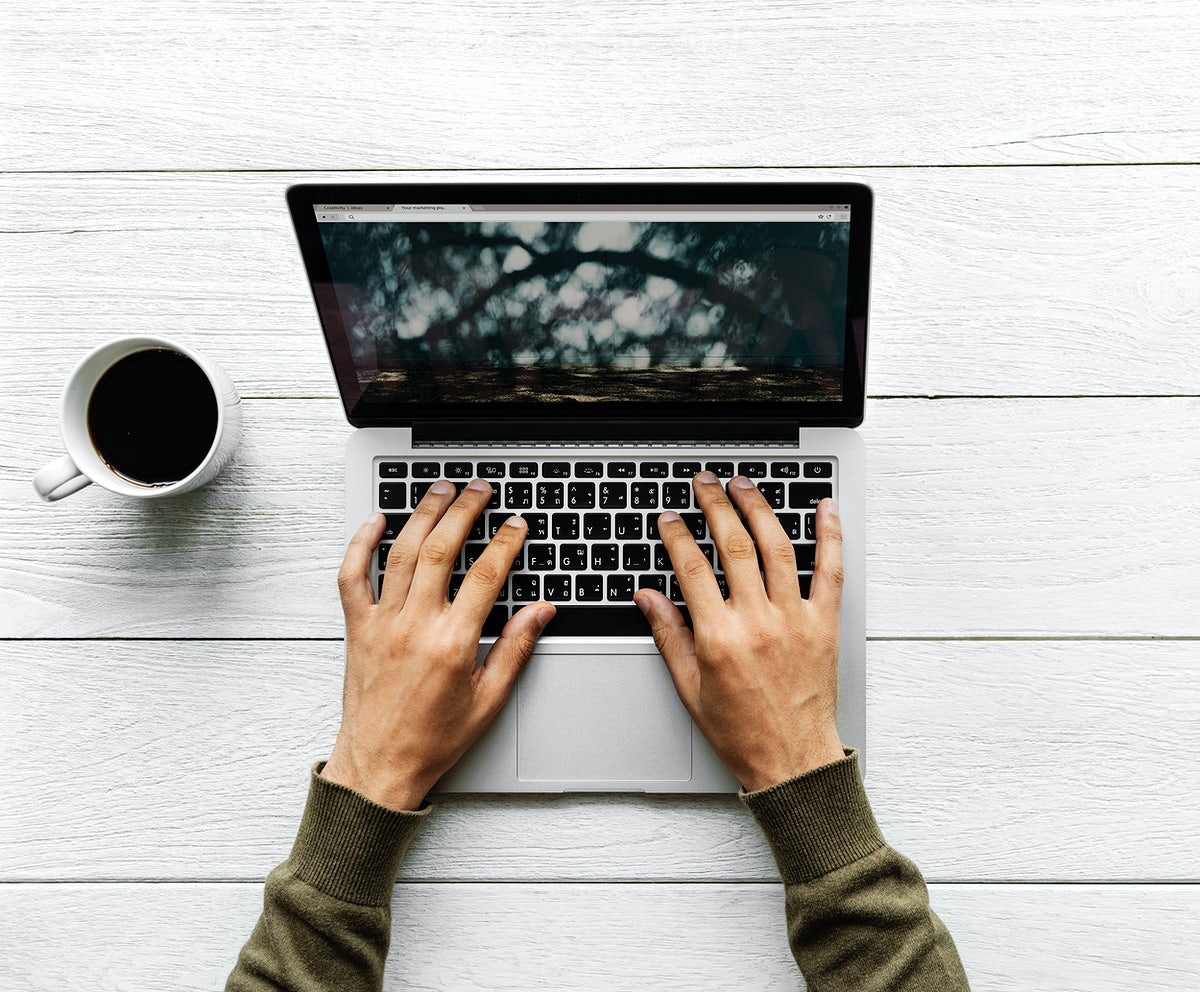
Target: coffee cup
143 417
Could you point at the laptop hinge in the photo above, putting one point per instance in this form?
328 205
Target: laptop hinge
606 432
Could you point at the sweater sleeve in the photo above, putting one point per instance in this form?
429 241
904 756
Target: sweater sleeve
326 919
858 912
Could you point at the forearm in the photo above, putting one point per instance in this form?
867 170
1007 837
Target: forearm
326 919
858 911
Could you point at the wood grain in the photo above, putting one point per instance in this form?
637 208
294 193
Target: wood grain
290 84
586 937
985 518
1025 761
1008 282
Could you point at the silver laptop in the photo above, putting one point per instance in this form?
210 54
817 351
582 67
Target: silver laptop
588 348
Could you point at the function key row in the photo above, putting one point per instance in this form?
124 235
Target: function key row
602 470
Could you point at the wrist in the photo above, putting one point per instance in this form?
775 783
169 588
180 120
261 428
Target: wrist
793 762
398 792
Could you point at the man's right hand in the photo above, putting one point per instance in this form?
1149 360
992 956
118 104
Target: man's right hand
759 675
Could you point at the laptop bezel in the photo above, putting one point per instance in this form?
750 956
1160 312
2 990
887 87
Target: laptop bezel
303 198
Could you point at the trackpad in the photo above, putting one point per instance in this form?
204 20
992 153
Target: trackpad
601 718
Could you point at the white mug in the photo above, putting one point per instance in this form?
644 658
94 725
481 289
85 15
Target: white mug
83 463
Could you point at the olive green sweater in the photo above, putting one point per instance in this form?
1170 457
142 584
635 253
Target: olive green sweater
858 912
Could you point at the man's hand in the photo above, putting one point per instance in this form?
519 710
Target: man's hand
759 676
413 700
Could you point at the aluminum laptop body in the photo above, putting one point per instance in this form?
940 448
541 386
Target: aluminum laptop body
569 340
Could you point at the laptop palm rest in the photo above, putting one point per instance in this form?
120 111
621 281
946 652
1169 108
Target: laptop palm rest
601 718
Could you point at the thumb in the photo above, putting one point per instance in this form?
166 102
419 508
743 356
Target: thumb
512 650
675 643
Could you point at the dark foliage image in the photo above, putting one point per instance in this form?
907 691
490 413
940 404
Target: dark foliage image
588 310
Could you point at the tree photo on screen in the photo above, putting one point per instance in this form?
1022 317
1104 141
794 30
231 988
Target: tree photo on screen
593 309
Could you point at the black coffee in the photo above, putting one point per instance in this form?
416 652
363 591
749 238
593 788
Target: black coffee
153 417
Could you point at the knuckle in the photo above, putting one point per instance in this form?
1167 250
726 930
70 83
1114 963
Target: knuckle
739 547
782 554
835 573
694 566
346 579
437 551
486 572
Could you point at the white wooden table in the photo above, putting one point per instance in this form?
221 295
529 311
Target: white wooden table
168 672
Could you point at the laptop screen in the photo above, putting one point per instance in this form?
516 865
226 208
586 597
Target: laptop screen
440 301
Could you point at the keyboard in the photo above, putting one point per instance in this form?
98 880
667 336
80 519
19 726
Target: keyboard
593 527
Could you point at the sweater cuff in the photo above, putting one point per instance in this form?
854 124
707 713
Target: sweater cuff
348 846
817 822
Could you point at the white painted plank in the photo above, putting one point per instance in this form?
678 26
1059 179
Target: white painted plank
368 84
986 281
985 518
1076 938
989 761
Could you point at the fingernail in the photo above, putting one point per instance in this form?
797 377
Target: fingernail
741 482
441 488
515 522
832 507
706 477
480 486
669 517
375 517
544 616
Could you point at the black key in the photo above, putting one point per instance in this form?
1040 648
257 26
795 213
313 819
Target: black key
785 470
652 526
589 470
503 593
550 495
565 526
557 588
772 493
658 582
622 470
605 557
709 552
383 555
518 495
806 556
491 470
628 526
676 496
620 588
542 557
722 470
723 585
597 526
581 495
573 557
753 470
472 552
477 531
636 557
495 621
456 581
643 495
460 470
793 525
495 521
695 523
539 529
556 470
685 470
379 593
526 588
393 524
806 495
810 527
419 489
588 588
805 585
655 470
493 502
676 595
614 495
426 470
818 470
523 470
393 470
662 560
391 495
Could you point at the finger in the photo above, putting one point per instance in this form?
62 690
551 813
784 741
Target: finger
439 551
828 574
402 558
477 595
353 584
778 555
739 557
696 579
675 642
513 648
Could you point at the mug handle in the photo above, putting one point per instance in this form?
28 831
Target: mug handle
60 478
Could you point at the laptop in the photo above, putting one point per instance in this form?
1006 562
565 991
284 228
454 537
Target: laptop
589 347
